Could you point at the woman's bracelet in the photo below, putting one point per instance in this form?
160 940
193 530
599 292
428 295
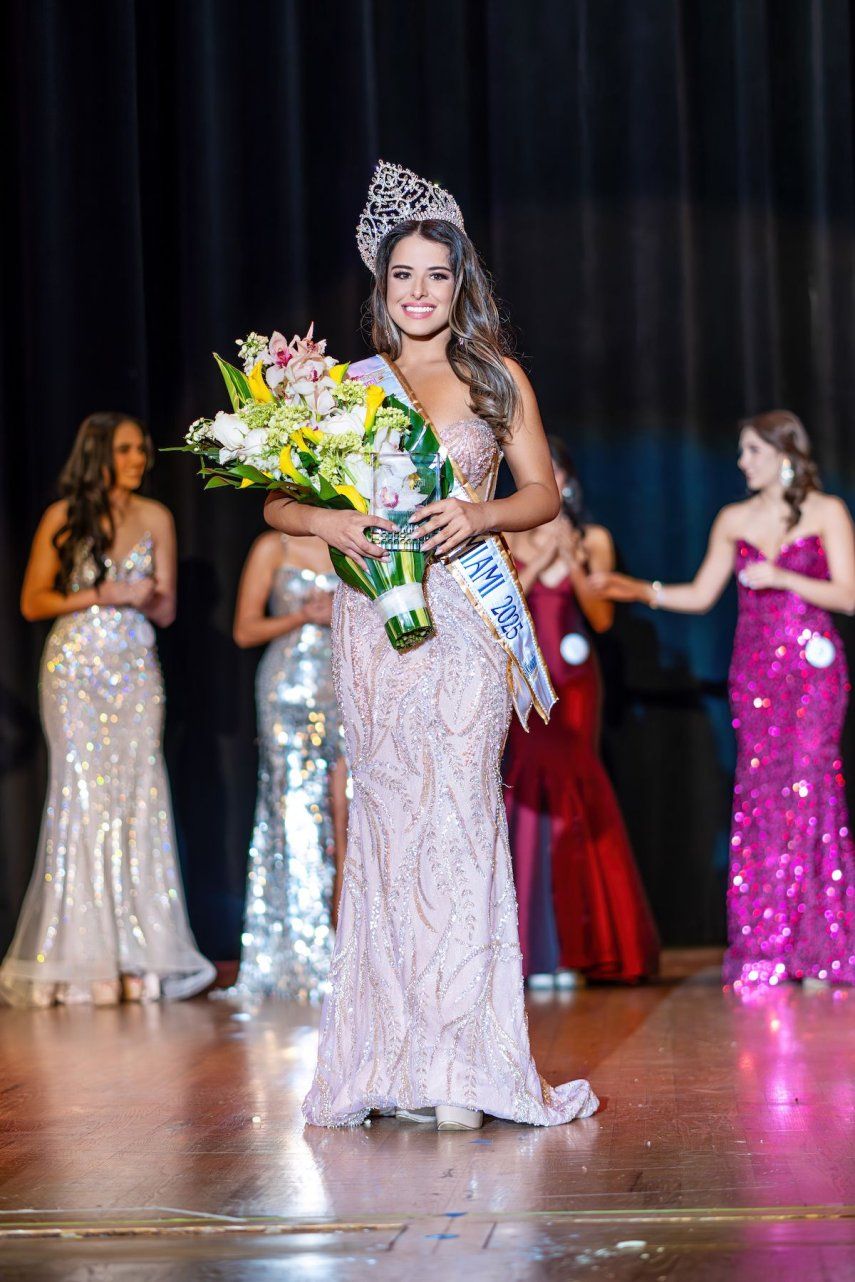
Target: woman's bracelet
656 589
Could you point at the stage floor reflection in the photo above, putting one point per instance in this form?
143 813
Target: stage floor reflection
166 1142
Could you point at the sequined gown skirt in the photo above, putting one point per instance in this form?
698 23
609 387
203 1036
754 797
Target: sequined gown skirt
287 932
426 1005
105 897
791 892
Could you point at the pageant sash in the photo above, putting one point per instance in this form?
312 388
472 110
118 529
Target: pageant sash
485 572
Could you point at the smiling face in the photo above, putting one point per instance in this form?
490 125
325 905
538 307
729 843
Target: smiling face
419 287
759 462
130 456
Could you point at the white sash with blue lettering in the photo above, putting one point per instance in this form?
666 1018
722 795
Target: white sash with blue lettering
485 572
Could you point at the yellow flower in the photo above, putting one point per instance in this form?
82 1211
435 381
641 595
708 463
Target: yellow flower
288 469
313 434
244 483
374 398
356 499
258 387
338 372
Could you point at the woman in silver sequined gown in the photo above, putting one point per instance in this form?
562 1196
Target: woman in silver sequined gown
104 915
285 601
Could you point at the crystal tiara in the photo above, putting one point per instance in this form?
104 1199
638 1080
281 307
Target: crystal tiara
397 195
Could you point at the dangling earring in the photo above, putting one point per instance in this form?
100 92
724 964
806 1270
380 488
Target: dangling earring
570 493
788 473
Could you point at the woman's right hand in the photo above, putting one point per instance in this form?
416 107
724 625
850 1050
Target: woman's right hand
345 531
611 586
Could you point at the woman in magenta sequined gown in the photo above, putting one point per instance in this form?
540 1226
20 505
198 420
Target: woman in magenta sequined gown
426 1018
791 891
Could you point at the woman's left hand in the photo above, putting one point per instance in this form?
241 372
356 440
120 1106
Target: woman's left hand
761 575
449 523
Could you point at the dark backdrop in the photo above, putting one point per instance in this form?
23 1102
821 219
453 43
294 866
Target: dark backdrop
664 192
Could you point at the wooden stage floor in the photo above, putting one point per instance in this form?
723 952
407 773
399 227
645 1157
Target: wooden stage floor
165 1142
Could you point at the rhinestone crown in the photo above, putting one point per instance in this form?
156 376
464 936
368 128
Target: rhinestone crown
396 195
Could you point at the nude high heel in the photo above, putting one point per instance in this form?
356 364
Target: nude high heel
106 992
132 988
449 1118
152 990
73 995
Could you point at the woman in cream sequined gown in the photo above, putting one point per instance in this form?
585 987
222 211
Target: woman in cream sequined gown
426 1013
105 905
284 600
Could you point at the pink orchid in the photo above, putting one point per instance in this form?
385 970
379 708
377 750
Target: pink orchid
280 350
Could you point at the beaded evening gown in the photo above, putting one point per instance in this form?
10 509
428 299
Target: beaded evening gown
581 901
105 897
791 894
287 934
426 1003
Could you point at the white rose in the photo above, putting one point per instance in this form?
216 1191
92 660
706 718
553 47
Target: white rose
254 446
229 432
347 421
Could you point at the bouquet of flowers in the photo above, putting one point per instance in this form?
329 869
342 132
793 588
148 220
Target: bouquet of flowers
300 424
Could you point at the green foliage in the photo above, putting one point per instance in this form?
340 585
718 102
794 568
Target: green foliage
236 383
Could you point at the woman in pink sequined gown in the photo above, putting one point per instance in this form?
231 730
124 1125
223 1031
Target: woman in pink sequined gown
426 1017
791 892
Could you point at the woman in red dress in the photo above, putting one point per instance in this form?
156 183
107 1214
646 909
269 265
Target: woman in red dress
582 908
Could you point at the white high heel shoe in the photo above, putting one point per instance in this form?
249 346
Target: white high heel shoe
566 978
449 1118
415 1114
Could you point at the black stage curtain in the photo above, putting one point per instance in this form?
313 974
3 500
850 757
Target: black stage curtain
664 192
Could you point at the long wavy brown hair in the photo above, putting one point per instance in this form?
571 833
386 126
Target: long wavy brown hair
785 431
478 342
85 482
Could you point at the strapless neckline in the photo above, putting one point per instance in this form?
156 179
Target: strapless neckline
468 420
305 572
144 540
785 547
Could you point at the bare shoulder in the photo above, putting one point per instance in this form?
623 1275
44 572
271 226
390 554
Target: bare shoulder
730 521
826 510
156 514
597 536
54 517
519 375
268 546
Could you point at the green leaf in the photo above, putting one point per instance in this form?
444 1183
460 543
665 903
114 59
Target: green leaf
236 383
326 493
217 483
350 573
249 473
